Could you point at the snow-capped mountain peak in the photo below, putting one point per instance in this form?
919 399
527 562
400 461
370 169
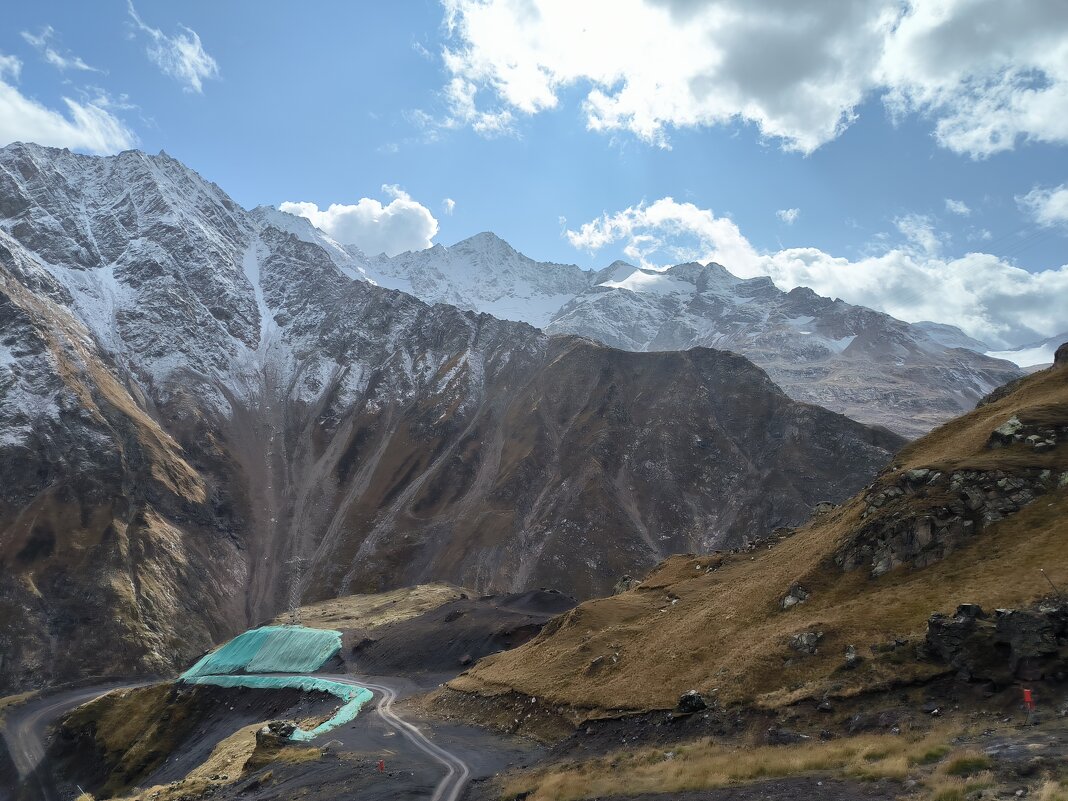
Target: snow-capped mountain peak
849 358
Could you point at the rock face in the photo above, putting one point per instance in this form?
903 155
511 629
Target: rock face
199 409
1060 357
925 514
851 359
1028 644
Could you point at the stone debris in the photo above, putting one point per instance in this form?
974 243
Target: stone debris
965 502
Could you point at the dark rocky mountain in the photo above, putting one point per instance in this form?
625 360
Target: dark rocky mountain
198 408
852 359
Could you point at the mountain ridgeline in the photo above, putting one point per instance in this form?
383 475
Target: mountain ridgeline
850 359
200 410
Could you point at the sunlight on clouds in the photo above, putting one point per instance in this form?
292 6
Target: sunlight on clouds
89 126
919 230
986 72
181 56
400 225
1047 206
988 298
788 216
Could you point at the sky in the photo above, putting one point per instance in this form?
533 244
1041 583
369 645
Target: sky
908 155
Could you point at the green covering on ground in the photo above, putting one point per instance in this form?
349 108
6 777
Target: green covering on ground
353 698
270 649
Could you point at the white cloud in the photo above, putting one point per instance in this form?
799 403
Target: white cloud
788 216
10 67
1048 206
985 71
958 207
988 298
449 206
181 56
919 230
400 225
87 126
42 43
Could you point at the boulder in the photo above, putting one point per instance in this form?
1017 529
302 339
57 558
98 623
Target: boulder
823 508
691 701
806 642
1006 432
796 595
275 734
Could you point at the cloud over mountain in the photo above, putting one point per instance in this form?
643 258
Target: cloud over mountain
987 73
390 228
989 298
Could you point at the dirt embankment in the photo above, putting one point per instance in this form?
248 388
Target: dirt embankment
160 733
454 635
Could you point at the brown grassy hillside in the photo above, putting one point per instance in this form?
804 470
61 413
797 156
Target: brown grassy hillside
874 570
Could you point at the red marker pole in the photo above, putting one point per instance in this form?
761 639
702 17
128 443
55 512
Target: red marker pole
1029 703
381 766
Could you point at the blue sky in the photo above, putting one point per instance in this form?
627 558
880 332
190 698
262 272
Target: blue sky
889 165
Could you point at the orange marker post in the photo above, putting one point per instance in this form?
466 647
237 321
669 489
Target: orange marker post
1029 700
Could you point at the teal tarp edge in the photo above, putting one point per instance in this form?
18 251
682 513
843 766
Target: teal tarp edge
353 698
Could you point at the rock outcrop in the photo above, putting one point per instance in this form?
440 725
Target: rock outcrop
1029 644
925 514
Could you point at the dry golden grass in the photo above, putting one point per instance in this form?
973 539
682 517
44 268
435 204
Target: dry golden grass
714 623
229 756
961 443
377 609
1053 791
958 789
706 764
231 760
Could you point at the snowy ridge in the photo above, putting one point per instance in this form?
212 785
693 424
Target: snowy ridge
1034 354
174 280
851 359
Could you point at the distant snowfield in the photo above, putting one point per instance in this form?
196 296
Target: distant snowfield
1034 354
1026 357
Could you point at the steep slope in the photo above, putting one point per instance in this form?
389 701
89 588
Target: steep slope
971 514
850 359
201 411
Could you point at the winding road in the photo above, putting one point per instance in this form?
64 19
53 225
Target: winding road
24 730
457 772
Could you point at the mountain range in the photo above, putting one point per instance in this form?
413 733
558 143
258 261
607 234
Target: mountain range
203 415
850 359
